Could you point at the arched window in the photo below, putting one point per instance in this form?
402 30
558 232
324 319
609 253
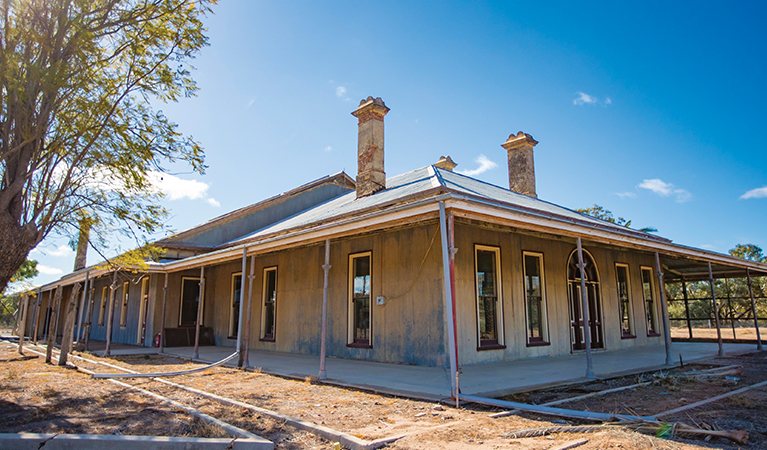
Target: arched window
574 293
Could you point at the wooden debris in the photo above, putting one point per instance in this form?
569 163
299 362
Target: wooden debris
570 444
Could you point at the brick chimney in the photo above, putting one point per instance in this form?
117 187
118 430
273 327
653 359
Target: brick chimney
446 162
519 149
371 177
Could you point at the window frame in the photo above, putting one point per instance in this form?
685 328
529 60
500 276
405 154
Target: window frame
124 305
545 338
181 303
103 307
351 341
266 337
232 324
630 308
654 313
500 334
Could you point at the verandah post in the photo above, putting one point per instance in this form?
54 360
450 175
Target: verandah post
69 325
687 307
111 314
36 314
196 354
242 303
23 324
753 309
51 334
246 337
326 268
89 324
162 313
716 309
448 299
82 308
585 309
664 310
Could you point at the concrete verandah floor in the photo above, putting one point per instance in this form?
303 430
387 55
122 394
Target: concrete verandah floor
493 379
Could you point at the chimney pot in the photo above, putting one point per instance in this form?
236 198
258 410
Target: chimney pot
519 151
371 177
445 162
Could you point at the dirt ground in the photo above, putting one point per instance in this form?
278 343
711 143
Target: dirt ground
35 397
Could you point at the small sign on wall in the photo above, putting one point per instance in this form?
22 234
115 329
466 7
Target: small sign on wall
380 300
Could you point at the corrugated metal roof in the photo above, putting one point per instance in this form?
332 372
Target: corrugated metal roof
424 181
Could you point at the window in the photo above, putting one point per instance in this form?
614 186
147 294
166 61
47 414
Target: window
234 313
624 297
268 316
104 301
648 291
359 300
535 297
489 308
124 308
190 298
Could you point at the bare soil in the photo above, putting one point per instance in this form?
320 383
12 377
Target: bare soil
35 397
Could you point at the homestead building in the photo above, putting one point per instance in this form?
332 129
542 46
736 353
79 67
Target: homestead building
429 267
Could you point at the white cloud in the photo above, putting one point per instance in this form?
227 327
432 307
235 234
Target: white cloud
755 193
626 194
664 189
49 270
250 103
608 101
61 250
176 188
340 92
328 148
484 165
584 98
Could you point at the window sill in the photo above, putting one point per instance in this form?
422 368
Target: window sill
653 334
491 347
266 339
628 336
359 345
232 337
538 344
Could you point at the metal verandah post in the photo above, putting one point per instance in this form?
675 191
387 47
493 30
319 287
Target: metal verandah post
162 313
585 312
246 361
89 324
448 299
687 308
664 311
242 303
111 315
326 268
753 309
82 309
716 310
196 354
730 308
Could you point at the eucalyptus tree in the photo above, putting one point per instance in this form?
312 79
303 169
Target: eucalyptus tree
79 136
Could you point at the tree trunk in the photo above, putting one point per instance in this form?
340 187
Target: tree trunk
69 325
15 243
52 326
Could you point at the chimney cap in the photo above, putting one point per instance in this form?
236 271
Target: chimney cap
446 162
519 140
371 104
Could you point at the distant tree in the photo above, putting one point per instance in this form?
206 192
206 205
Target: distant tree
605 214
78 133
750 252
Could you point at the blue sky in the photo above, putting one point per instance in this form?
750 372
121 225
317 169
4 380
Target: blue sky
654 110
